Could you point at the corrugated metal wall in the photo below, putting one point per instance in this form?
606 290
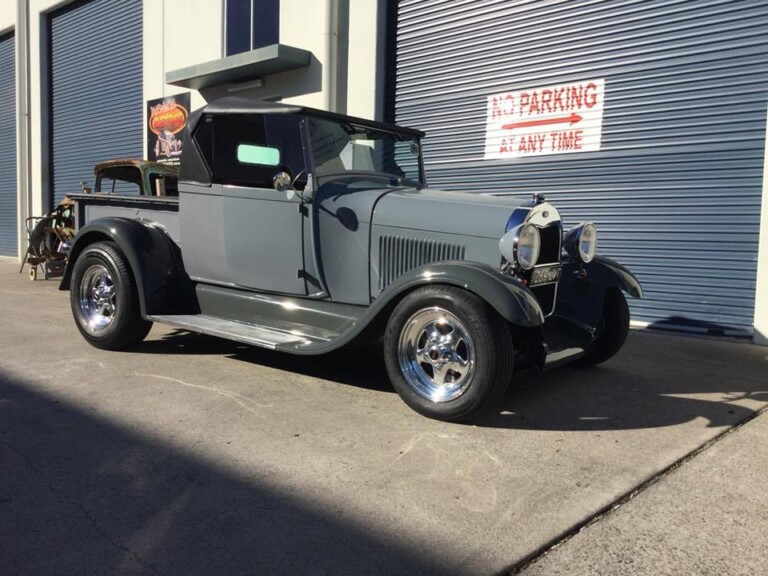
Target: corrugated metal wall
675 189
8 193
96 85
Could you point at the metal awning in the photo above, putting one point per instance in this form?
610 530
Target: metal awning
240 67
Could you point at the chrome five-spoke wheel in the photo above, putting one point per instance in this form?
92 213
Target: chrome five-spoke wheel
448 353
104 298
97 299
436 354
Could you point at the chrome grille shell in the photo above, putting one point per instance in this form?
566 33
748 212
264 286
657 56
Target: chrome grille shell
547 219
551 249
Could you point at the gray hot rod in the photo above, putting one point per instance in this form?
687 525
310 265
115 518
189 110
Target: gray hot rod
305 231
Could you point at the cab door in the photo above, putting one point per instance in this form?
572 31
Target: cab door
263 245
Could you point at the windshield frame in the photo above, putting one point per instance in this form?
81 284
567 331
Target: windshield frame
406 135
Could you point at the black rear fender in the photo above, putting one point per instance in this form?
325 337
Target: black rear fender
153 257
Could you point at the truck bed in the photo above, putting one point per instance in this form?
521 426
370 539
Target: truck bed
161 210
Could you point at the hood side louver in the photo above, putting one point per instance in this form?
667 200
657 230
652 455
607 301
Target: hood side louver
398 255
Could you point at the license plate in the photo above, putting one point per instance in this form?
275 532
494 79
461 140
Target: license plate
545 275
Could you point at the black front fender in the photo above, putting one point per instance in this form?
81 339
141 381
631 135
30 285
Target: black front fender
154 258
513 301
582 288
624 278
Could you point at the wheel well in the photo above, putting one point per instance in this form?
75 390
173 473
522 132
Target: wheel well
378 324
83 243
89 239
610 289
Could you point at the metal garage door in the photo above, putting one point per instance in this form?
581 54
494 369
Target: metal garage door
96 88
675 187
8 193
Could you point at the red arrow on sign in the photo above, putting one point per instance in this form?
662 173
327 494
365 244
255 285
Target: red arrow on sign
573 118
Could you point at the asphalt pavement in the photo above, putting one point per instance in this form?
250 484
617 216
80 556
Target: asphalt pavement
195 455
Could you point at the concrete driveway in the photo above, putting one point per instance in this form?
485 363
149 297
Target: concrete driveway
193 455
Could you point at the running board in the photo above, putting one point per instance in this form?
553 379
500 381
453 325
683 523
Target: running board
246 333
564 342
557 358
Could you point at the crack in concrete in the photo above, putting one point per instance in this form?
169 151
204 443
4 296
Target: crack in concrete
541 552
62 495
239 399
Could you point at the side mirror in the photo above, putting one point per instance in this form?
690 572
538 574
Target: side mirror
282 182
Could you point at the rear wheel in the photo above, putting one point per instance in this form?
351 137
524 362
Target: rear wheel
104 299
448 354
611 332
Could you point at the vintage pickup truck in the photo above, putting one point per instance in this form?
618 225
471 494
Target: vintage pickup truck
305 231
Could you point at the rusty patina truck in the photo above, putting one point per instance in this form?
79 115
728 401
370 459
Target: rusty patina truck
129 177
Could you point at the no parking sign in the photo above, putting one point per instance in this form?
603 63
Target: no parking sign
547 120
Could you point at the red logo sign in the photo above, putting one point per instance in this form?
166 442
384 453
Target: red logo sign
169 116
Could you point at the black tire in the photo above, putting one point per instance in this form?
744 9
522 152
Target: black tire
104 300
480 334
611 332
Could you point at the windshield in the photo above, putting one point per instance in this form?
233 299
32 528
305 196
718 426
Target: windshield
341 148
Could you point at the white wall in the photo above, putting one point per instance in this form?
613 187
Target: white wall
181 33
177 34
7 16
761 294
303 24
342 73
363 59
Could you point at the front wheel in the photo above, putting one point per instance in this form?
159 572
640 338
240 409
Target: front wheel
448 354
104 299
612 330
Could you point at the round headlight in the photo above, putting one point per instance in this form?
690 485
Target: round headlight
587 242
581 242
521 245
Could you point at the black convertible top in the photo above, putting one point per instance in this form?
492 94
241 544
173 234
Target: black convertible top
194 168
242 105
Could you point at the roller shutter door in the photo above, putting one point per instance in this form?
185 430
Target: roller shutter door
8 193
96 88
675 188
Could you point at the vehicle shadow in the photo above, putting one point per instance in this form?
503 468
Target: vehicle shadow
657 380
81 494
606 398
361 366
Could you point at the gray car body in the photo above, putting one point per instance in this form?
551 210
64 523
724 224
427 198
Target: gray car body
330 269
